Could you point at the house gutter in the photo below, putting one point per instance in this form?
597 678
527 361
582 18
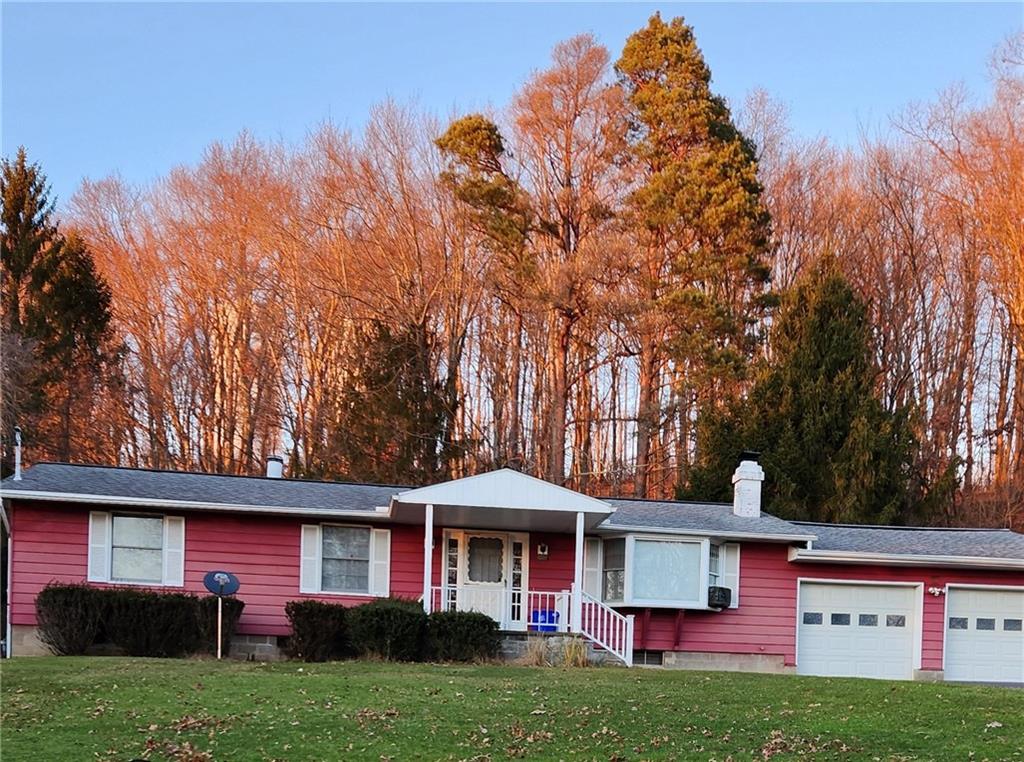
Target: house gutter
147 502
902 559
765 537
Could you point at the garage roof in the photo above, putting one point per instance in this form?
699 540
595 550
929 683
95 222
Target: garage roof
916 541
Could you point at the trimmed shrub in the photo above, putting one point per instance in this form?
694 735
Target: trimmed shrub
206 622
392 629
462 636
318 630
69 617
144 623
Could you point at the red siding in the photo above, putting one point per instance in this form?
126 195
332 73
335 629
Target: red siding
50 544
765 621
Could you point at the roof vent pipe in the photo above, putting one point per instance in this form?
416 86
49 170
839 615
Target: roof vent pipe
17 453
746 484
275 467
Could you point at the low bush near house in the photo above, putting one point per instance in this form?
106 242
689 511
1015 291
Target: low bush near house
461 636
391 629
145 623
318 630
206 622
69 617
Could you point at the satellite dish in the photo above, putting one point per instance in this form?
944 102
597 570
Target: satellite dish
221 583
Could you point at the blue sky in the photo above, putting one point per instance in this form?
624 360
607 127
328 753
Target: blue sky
136 88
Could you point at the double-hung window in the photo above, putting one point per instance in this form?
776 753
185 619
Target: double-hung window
345 560
136 549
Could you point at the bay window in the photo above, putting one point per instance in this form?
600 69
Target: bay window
659 571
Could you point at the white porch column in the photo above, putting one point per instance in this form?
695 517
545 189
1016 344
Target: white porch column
428 555
576 615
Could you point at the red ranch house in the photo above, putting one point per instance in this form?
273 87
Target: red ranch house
682 584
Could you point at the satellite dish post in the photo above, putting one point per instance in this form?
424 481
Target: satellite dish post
221 583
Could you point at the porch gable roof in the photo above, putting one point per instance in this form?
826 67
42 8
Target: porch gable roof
504 489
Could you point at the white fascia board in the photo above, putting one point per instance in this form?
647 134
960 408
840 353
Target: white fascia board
753 536
147 502
902 559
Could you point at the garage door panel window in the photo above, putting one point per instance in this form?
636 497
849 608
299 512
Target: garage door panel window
1012 625
895 620
868 620
986 624
813 617
958 623
840 619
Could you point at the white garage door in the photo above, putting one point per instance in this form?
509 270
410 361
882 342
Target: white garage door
857 630
984 638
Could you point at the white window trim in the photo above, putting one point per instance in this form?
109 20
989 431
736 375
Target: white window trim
701 602
107 576
373 560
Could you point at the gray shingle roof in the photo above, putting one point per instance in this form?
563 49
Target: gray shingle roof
715 518
108 481
917 541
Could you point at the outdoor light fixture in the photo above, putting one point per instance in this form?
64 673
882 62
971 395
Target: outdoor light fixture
936 591
542 551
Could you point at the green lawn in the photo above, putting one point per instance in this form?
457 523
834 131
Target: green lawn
120 709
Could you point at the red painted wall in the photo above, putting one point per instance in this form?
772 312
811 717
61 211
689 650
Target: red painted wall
765 621
50 544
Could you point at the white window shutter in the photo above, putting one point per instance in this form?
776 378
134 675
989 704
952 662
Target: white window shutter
730 571
592 566
174 550
309 567
380 563
98 568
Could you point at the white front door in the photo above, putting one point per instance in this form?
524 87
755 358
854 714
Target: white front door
486 572
857 630
984 635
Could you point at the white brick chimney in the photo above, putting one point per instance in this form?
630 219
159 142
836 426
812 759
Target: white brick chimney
275 467
746 484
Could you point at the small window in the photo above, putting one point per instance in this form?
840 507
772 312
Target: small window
958 623
895 620
346 559
136 549
1012 625
613 574
985 624
714 564
868 620
840 619
813 617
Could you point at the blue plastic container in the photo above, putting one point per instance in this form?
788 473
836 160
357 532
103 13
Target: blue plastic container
544 620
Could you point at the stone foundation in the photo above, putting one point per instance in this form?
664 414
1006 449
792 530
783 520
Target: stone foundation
516 647
929 675
256 648
713 662
25 641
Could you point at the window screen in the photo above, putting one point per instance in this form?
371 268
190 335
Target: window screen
345 567
666 571
136 553
486 559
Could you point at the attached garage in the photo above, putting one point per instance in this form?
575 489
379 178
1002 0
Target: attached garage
858 629
984 634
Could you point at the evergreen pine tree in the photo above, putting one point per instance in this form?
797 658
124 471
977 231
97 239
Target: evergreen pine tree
58 341
829 448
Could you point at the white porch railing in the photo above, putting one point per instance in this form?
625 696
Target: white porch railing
523 610
607 628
